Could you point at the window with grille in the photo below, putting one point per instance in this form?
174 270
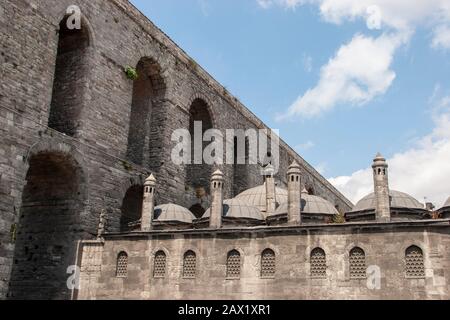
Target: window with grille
268 264
414 262
189 265
318 264
159 269
357 264
234 265
122 265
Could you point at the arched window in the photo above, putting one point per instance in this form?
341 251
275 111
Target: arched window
122 265
318 262
234 265
159 268
189 265
198 210
71 71
268 267
357 264
311 191
414 262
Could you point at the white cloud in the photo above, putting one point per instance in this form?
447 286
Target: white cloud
205 7
422 171
305 146
307 63
321 168
441 38
265 4
359 72
396 14
373 17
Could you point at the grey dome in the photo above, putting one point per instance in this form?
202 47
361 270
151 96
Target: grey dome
447 203
173 213
234 208
312 205
399 200
256 197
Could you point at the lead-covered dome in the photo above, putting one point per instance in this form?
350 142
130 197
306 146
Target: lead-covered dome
447 203
311 205
256 197
398 200
173 213
234 208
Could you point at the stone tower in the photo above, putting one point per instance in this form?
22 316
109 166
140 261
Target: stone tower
148 204
215 220
270 189
294 199
381 185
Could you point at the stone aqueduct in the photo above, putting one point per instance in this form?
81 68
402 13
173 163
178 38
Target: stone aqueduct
78 136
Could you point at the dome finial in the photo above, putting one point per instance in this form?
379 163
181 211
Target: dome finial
379 158
269 170
151 180
217 175
294 168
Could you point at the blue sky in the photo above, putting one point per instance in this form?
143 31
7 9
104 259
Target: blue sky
270 53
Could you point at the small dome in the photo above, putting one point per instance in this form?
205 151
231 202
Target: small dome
151 180
173 213
256 197
234 208
399 200
294 168
217 174
311 205
447 203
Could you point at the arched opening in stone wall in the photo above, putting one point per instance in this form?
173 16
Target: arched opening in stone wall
71 71
198 210
131 207
241 166
198 175
49 228
144 140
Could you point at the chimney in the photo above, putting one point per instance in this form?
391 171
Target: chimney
148 204
381 186
215 220
270 189
294 197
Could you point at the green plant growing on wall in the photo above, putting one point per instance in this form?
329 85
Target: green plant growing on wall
131 73
193 64
13 232
127 166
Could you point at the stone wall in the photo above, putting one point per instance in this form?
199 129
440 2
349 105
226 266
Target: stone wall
96 139
384 246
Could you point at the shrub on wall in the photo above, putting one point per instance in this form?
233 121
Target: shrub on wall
131 73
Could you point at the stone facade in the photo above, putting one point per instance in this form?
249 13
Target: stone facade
66 155
384 247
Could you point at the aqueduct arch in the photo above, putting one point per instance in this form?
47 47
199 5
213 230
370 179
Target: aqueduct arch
50 225
71 74
198 175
